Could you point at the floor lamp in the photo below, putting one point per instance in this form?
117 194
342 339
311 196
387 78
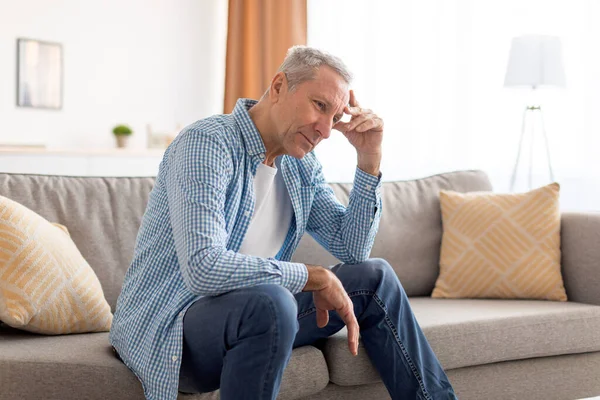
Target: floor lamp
534 61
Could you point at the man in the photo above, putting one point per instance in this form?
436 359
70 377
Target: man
211 300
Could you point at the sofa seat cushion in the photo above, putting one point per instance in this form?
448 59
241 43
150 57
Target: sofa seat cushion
83 366
470 332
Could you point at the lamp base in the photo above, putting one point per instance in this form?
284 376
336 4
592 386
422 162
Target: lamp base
531 111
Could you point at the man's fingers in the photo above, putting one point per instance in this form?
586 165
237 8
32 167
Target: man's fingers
322 318
341 126
367 125
356 121
354 111
353 102
352 326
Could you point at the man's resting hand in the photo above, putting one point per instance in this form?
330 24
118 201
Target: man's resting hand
329 294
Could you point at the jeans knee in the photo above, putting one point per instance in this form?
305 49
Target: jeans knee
377 266
378 271
273 307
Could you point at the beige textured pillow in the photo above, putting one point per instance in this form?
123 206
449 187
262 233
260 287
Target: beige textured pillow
501 245
46 286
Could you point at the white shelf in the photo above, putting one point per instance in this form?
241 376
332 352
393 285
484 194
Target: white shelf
85 152
80 162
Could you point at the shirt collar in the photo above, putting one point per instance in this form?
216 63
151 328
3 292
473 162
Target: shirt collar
252 140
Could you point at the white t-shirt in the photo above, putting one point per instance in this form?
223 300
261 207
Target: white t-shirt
272 216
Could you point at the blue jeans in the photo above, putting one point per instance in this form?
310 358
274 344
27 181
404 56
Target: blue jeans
241 341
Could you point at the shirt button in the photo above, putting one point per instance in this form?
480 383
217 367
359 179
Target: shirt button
247 213
174 358
368 187
371 219
262 156
181 313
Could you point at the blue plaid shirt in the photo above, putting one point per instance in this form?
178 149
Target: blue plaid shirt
197 215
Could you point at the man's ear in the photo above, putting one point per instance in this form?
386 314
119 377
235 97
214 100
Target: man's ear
278 87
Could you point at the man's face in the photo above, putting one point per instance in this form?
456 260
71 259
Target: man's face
306 115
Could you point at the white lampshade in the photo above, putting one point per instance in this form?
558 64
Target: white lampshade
535 61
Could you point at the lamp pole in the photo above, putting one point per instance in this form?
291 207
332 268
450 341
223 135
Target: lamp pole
531 111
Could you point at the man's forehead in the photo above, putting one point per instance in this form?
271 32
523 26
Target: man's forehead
343 102
337 99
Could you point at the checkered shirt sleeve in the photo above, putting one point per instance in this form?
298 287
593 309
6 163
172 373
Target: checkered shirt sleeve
200 171
348 232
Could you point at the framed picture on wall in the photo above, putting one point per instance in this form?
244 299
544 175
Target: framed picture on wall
39 74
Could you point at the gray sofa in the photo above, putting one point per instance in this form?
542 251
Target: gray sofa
491 349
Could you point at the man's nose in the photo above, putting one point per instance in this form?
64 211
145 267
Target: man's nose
324 127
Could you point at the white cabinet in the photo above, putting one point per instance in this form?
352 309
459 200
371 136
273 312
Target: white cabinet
110 162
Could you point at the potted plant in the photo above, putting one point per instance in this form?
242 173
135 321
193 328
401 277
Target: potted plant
122 133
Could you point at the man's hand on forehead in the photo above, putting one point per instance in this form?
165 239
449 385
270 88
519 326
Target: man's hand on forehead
362 119
364 130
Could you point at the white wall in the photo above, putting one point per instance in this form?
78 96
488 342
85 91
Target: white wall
434 71
128 61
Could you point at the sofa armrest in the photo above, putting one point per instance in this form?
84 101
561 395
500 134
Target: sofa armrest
580 247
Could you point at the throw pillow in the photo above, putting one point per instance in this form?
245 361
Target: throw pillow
46 286
501 245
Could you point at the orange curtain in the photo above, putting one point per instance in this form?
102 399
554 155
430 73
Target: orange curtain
259 32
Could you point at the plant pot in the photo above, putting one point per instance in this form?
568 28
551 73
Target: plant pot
122 141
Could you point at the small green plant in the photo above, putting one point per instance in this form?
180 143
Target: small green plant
122 130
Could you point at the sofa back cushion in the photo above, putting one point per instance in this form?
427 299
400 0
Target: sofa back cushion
410 230
102 215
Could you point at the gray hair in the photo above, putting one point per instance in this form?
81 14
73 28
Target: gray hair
302 62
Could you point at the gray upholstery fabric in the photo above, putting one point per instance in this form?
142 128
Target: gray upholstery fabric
475 332
103 216
74 367
410 231
566 377
580 246
375 391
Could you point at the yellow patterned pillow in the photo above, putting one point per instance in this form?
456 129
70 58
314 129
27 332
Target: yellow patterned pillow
46 286
501 245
